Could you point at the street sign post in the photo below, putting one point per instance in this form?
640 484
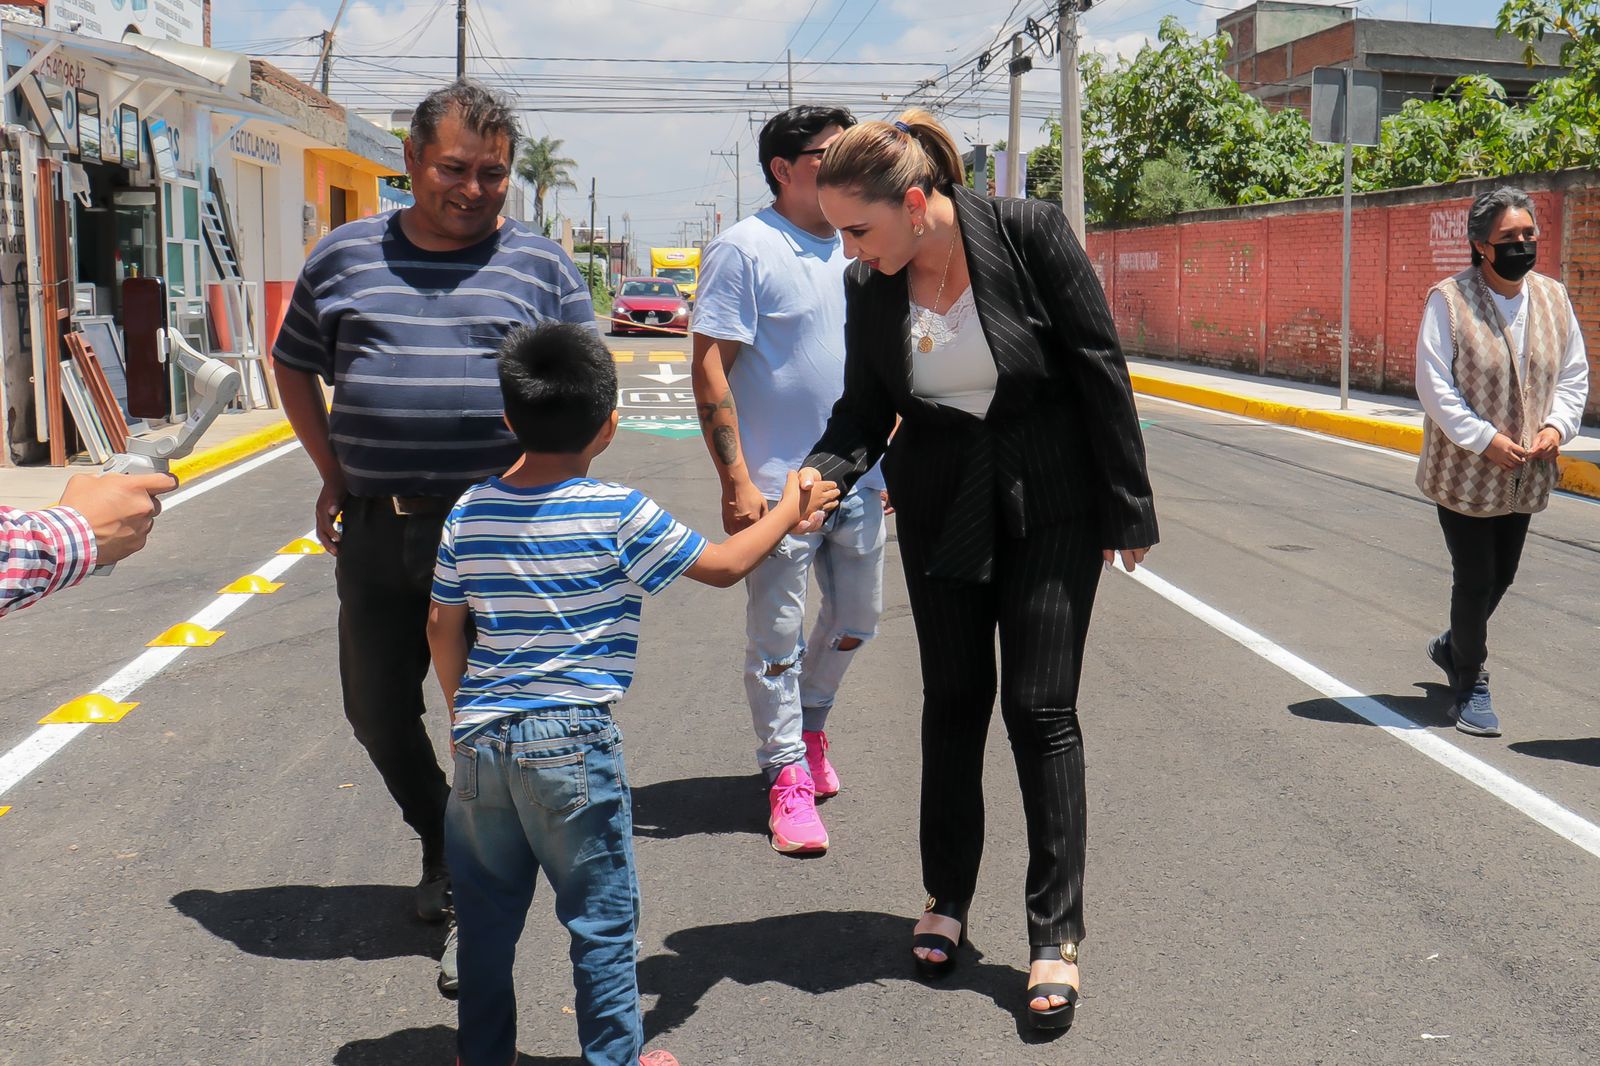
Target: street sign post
1346 108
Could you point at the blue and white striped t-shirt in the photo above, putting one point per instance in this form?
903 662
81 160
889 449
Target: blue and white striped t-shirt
408 339
553 576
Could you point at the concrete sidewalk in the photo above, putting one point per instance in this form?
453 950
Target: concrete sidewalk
1385 421
234 436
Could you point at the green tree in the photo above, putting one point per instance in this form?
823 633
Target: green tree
400 181
1576 21
1169 185
542 166
599 286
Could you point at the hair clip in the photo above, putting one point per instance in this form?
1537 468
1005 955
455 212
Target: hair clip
902 127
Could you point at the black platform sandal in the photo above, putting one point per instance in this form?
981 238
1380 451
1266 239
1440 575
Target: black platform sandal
1053 1017
938 942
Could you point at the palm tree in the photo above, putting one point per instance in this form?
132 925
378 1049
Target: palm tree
542 167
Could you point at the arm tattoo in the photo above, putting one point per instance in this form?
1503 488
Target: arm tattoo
727 445
708 411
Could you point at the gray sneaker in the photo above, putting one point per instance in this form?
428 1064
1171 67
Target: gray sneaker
449 979
1475 712
433 893
1439 652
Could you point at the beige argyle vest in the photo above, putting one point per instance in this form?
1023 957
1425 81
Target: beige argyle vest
1485 368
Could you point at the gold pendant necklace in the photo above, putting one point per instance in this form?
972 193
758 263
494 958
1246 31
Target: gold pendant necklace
925 342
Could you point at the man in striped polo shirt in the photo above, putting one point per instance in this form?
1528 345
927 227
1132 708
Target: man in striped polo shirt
402 313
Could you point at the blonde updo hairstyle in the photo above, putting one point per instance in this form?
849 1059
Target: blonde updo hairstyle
879 161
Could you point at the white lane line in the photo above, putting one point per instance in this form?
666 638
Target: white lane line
206 485
28 756
1547 812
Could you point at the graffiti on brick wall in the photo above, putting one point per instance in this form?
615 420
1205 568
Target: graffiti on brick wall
1139 262
1447 239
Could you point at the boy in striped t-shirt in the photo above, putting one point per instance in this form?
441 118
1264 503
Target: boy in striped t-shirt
550 567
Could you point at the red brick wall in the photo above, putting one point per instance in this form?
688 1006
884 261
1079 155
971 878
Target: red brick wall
1222 280
1331 47
1273 65
1145 293
1259 290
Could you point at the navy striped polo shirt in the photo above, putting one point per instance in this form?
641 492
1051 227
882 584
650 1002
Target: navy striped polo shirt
408 339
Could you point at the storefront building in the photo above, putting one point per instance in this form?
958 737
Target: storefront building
151 157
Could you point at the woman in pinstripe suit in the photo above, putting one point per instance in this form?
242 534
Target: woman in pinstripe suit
1017 469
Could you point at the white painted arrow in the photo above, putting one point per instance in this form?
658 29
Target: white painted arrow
665 374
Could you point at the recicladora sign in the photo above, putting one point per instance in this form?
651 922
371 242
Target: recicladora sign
173 20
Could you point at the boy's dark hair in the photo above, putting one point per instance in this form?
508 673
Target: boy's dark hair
559 384
786 133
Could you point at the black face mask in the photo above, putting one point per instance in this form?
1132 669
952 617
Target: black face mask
1513 259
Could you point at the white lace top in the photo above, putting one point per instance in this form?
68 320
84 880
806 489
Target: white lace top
959 372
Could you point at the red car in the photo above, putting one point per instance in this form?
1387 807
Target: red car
649 305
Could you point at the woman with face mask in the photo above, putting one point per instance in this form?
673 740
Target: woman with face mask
1502 376
1017 469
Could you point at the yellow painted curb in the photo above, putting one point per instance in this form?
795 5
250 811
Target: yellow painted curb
214 459
3 810
1577 476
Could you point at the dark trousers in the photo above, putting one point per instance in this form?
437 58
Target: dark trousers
1484 553
1039 600
384 573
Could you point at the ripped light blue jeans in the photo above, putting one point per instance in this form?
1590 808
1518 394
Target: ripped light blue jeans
847 556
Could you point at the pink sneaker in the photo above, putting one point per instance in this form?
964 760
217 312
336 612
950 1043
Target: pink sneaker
822 775
794 823
658 1058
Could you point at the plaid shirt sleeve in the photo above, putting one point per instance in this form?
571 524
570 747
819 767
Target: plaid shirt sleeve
42 552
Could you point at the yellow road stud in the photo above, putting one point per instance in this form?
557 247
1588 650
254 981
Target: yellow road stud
253 585
301 546
187 635
93 709
668 357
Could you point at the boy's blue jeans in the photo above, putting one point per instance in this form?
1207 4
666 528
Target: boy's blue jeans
545 790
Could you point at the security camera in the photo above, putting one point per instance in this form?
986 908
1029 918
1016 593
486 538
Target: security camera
74 25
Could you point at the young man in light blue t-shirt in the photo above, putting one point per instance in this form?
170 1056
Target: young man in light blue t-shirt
768 366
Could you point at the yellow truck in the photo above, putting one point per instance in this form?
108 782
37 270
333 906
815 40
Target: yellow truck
681 265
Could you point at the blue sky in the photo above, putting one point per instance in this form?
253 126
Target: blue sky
658 166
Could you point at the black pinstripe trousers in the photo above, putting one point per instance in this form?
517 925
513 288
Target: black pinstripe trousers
1039 601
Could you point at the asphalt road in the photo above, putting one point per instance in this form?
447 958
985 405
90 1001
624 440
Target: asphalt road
221 878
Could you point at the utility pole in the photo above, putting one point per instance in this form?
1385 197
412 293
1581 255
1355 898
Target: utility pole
790 54
1071 115
611 266
738 199
592 183
325 61
711 210
1020 64
1344 323
461 51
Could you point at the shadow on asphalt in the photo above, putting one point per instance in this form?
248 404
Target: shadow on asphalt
1431 708
862 948
433 1046
316 924
1584 751
667 810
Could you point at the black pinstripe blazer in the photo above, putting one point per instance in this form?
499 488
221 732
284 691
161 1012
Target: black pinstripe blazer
1061 439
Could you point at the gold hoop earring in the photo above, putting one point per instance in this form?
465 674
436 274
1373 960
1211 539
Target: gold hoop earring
917 229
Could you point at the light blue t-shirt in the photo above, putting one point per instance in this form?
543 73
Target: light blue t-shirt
779 292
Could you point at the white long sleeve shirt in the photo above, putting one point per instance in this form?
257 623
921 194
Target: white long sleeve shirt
1436 382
